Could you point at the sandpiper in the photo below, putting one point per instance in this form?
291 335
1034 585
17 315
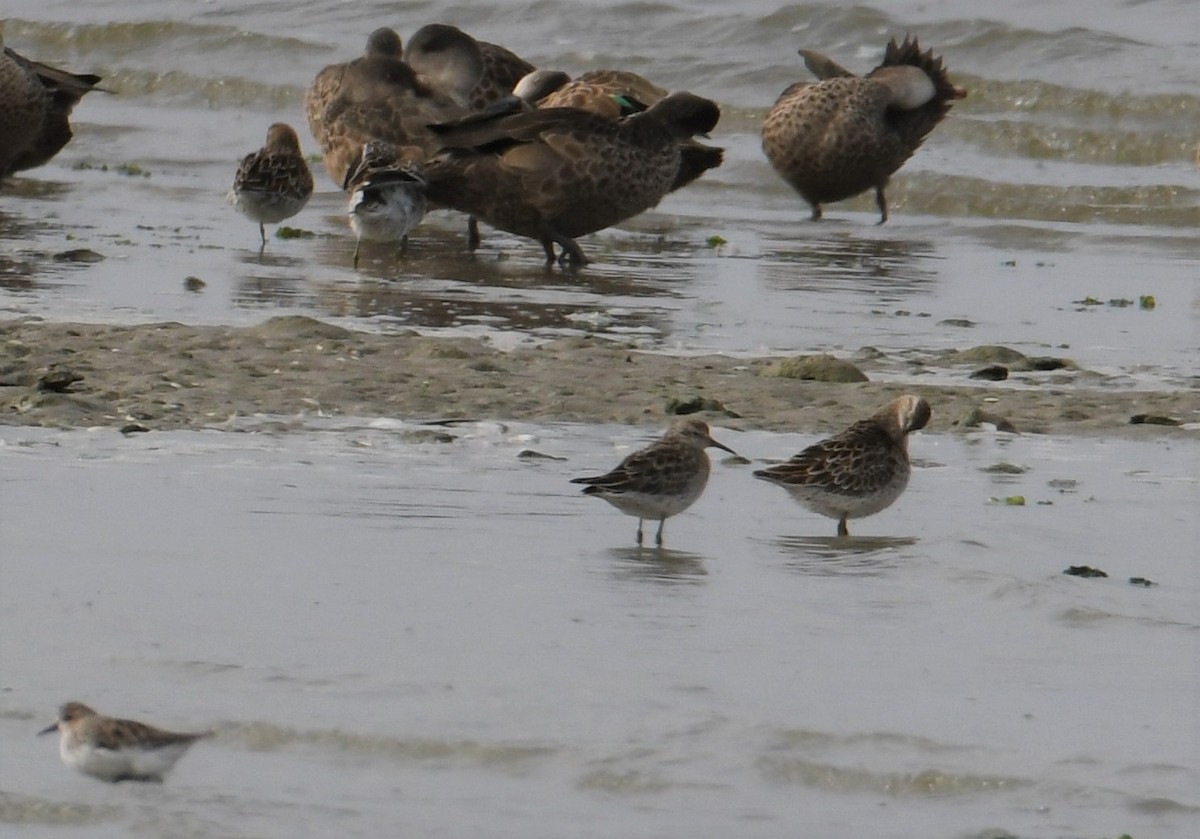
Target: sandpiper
858 472
661 480
273 183
117 750
387 195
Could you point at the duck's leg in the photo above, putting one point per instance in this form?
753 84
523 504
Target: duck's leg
816 212
881 200
842 529
473 239
571 252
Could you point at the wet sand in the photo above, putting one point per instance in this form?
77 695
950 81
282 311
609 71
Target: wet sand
171 376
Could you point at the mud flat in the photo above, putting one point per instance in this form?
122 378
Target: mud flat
168 376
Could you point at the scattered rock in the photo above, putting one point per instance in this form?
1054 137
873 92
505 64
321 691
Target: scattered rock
530 454
1141 581
1003 468
991 373
58 380
989 354
426 435
193 284
299 326
133 428
696 404
959 322
1085 571
1045 363
82 255
1063 484
815 368
1153 419
975 417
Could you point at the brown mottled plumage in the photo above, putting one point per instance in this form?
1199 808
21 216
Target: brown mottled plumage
273 183
35 109
661 480
859 471
554 174
500 70
380 97
117 750
615 94
845 134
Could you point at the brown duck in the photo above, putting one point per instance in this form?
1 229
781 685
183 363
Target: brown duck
845 134
558 173
614 94
380 97
431 53
35 109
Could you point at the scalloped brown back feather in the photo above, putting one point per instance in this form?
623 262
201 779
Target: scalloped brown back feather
554 174
840 136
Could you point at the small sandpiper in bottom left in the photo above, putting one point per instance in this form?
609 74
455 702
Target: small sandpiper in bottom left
117 750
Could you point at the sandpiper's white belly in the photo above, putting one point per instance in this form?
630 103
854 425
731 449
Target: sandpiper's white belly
114 764
836 504
386 220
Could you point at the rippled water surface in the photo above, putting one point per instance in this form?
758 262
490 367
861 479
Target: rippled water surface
397 637
1067 174
441 639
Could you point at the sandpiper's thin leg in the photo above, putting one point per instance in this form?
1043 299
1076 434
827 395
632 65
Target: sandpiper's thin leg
658 535
882 202
639 535
473 239
816 212
357 247
842 529
262 231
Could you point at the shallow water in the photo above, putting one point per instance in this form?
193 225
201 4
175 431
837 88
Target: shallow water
1067 174
443 638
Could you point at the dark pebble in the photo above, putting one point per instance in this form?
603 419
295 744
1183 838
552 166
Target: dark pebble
1085 571
993 373
530 454
1141 581
1153 419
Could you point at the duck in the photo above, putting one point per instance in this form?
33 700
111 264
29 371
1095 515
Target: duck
387 194
614 94
378 96
553 174
845 134
36 101
500 67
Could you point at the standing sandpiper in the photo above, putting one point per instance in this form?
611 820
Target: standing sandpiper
117 750
660 480
273 183
858 472
387 194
